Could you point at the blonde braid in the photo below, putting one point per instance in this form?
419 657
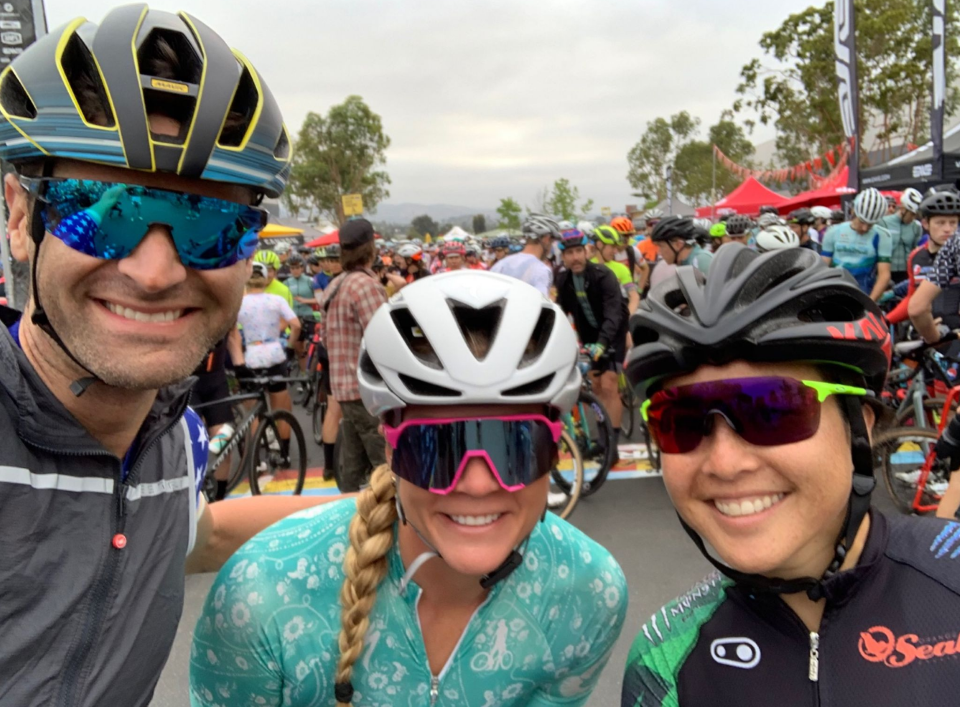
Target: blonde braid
365 566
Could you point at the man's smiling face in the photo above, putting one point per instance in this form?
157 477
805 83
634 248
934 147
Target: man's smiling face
146 320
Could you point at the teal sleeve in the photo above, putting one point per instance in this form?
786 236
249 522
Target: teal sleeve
595 639
234 660
829 239
884 247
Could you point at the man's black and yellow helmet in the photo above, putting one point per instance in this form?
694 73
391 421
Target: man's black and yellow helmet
135 63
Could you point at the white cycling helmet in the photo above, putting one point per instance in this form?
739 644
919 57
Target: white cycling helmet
821 212
768 219
586 226
870 206
414 350
409 250
777 237
282 248
910 200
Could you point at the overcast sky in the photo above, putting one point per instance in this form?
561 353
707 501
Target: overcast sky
483 100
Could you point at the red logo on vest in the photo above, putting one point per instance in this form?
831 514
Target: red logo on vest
880 645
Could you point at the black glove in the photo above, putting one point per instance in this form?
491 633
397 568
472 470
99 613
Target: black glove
948 446
242 371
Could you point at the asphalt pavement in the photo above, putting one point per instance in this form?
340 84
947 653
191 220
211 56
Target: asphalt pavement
631 516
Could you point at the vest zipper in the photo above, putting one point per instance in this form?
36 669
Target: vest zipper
813 672
434 689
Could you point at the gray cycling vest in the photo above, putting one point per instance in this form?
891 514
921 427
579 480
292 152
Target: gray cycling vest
83 623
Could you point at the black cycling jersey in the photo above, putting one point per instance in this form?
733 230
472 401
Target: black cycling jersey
890 634
606 302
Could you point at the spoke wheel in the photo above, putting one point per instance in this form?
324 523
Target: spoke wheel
899 454
566 484
268 469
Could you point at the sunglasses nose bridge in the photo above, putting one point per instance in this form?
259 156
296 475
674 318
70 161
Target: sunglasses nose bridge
709 421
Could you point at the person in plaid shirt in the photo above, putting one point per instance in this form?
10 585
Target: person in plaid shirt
349 303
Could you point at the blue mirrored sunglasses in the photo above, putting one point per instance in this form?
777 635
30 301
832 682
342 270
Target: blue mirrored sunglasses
109 219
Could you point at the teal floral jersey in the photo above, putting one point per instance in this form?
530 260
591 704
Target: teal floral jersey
269 628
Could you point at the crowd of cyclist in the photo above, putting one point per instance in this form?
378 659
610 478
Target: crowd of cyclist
758 351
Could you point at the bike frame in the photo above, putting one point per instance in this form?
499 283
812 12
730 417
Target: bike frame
930 457
262 406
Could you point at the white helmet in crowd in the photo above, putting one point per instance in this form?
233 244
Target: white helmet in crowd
409 250
870 206
586 226
777 237
910 200
703 223
821 212
414 351
768 219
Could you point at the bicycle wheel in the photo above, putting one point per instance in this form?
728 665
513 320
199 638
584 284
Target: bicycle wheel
595 439
234 453
933 410
319 414
562 497
630 408
653 452
269 470
900 453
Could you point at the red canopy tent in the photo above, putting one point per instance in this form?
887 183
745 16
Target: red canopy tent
827 194
325 239
745 199
331 238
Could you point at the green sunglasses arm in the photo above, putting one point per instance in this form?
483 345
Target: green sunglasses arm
825 390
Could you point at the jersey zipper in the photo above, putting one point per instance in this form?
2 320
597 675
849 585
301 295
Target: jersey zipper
813 641
813 670
75 665
435 679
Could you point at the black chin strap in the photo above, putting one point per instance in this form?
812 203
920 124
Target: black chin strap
39 317
857 508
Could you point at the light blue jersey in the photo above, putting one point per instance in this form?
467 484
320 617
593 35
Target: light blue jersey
269 629
858 253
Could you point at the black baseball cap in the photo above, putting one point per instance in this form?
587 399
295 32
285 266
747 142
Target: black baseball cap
355 233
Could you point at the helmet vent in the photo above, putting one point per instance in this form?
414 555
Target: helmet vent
677 302
835 309
85 82
368 368
168 55
14 98
415 339
282 150
245 100
419 387
478 326
532 388
539 338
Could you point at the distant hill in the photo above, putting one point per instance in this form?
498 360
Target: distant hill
442 213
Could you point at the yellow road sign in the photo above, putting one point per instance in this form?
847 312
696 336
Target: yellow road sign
352 204
606 211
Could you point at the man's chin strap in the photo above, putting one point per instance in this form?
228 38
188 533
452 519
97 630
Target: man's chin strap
857 508
39 317
513 561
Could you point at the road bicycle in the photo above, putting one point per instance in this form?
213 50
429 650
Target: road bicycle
588 426
631 418
257 441
915 478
